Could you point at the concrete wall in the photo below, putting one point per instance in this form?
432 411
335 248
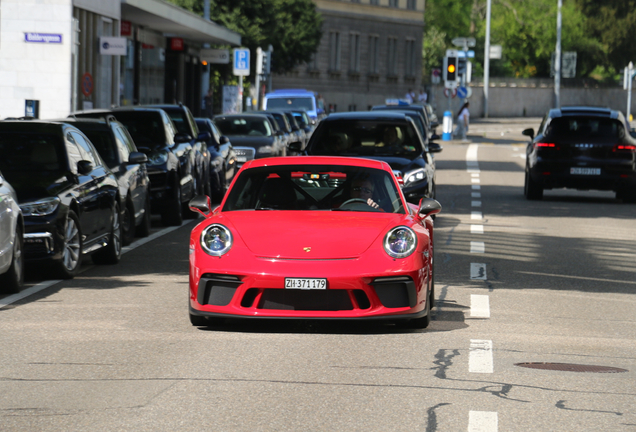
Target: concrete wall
31 70
530 102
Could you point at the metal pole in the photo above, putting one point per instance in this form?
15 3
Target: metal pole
630 71
240 94
487 60
557 60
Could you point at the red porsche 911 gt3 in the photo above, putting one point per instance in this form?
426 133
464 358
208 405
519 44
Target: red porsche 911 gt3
313 238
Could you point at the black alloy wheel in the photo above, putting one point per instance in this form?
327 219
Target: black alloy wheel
128 223
531 189
72 248
143 230
172 214
111 253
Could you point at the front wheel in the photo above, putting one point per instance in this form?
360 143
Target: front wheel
128 224
72 247
111 253
143 230
172 213
12 280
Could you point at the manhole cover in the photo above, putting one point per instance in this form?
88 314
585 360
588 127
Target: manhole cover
568 367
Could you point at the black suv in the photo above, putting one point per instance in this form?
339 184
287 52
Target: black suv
171 158
581 148
187 126
69 198
117 148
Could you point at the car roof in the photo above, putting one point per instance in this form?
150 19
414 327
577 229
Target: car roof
318 160
240 116
289 92
367 115
34 125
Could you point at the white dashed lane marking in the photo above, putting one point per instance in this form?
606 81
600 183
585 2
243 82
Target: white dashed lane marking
479 306
477 247
480 356
483 421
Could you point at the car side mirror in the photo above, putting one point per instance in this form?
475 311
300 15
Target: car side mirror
84 167
224 140
434 147
137 158
182 137
204 136
428 207
200 204
295 147
528 132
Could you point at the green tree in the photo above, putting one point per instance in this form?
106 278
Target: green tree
433 50
292 27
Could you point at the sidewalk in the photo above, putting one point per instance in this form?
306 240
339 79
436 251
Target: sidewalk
498 130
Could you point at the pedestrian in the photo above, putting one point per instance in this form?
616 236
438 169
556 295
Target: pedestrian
208 101
422 97
410 96
320 102
463 119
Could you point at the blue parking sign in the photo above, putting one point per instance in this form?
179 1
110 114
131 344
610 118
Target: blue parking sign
241 61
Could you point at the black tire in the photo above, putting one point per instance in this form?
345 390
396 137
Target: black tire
143 229
128 223
422 322
531 189
111 253
12 281
627 195
172 214
72 248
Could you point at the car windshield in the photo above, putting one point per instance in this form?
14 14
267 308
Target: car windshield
243 126
105 145
179 120
578 128
146 128
38 154
305 103
366 138
315 188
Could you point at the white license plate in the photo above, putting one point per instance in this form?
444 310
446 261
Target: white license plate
305 283
241 158
585 171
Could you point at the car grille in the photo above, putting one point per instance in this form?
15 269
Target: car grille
304 300
244 154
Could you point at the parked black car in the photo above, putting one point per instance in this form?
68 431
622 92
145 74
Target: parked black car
284 136
223 163
284 125
430 125
251 130
117 148
171 158
69 198
384 135
186 125
581 148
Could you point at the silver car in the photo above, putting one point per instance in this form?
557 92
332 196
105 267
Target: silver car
11 240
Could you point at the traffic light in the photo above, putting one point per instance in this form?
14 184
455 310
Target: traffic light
267 57
451 69
204 66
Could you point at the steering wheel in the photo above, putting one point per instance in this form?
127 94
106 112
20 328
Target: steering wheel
358 204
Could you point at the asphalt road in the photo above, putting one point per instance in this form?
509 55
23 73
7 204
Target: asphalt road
552 281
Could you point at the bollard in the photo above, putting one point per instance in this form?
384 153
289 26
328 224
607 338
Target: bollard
447 126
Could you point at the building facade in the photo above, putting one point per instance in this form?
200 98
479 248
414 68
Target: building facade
370 50
59 56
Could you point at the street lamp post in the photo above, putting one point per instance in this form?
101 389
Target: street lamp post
487 60
557 60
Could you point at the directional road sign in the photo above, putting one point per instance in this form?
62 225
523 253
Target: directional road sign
241 61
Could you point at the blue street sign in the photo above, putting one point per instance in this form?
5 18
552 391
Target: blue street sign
462 92
469 54
241 61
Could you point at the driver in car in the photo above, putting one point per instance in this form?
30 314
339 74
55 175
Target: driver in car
363 189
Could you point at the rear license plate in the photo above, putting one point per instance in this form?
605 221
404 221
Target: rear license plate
585 171
241 158
305 283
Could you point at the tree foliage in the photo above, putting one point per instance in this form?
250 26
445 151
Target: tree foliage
291 27
527 32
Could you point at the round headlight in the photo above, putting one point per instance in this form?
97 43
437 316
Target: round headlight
400 242
216 240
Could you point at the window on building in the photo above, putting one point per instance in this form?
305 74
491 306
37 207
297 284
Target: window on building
411 4
354 52
374 50
391 56
409 58
394 3
334 50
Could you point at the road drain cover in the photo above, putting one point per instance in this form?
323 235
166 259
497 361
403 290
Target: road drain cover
568 367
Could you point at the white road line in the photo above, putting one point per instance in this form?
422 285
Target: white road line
480 357
471 153
45 284
476 187
475 203
476 215
474 175
476 229
477 247
475 194
483 421
478 271
475 180
479 306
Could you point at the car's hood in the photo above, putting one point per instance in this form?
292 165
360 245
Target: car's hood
251 141
309 234
30 186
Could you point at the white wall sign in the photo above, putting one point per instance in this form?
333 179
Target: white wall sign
217 56
112 45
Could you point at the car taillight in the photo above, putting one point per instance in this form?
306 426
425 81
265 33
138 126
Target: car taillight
620 147
544 145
